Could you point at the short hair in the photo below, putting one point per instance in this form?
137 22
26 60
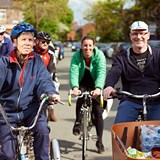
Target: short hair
88 37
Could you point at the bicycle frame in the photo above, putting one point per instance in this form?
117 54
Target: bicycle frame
86 111
22 139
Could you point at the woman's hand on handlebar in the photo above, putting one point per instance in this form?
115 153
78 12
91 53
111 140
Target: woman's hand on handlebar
76 91
95 93
108 91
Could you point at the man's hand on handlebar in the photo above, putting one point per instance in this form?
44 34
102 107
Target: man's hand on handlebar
108 91
54 98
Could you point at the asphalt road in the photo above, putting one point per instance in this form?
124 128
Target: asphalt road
70 145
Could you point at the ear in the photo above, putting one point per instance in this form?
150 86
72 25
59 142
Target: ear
15 42
34 43
149 35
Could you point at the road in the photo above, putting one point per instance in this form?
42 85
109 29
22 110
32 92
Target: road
70 145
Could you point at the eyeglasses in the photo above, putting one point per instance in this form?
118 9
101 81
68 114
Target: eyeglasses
2 33
142 34
45 42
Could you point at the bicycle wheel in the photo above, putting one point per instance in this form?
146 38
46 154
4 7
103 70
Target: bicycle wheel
54 150
84 136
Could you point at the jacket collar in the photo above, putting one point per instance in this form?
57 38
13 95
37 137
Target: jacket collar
128 51
13 57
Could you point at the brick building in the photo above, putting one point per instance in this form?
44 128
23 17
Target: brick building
80 31
10 14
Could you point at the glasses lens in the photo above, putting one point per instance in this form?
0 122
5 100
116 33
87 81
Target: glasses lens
45 42
2 33
135 34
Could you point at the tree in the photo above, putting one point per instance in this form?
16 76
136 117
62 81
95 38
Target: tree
48 15
107 17
113 20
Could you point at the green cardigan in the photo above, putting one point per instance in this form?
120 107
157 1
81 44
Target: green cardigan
97 68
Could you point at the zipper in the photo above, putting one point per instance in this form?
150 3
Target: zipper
18 99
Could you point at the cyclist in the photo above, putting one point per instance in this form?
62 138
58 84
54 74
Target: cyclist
43 40
6 45
88 72
139 69
24 78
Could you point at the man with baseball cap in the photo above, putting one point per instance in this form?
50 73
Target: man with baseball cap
139 25
139 70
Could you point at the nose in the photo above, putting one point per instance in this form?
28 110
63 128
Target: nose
139 36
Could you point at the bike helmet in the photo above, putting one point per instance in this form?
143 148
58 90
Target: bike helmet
43 35
2 28
20 28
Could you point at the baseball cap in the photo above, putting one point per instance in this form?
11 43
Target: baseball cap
139 25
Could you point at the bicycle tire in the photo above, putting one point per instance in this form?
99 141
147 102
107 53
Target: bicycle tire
84 136
54 150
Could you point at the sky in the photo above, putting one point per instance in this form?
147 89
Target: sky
80 7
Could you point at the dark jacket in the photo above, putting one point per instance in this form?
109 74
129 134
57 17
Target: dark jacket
21 88
7 47
133 79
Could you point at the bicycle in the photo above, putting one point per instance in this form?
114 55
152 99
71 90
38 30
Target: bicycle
142 116
127 133
25 138
86 121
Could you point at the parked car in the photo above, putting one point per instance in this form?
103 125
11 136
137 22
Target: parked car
60 47
154 43
122 46
102 46
76 46
107 48
111 50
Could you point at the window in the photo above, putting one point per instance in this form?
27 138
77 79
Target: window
3 14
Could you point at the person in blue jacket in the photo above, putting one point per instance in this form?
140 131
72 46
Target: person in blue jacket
139 70
6 45
24 78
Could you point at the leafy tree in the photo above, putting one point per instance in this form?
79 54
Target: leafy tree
107 17
48 15
113 20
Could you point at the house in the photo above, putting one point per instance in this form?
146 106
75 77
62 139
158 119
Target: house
10 14
78 31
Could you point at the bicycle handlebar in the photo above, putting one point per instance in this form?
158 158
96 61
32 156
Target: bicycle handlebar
44 99
86 93
51 99
138 96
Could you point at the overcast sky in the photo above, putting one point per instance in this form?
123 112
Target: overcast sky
80 7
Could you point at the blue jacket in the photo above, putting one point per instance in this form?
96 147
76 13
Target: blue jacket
7 47
21 88
133 79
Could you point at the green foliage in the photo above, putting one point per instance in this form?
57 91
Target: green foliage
48 15
107 16
113 21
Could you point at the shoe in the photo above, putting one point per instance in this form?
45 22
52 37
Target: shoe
100 147
51 115
77 128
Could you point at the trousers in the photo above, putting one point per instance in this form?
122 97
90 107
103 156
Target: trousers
128 111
